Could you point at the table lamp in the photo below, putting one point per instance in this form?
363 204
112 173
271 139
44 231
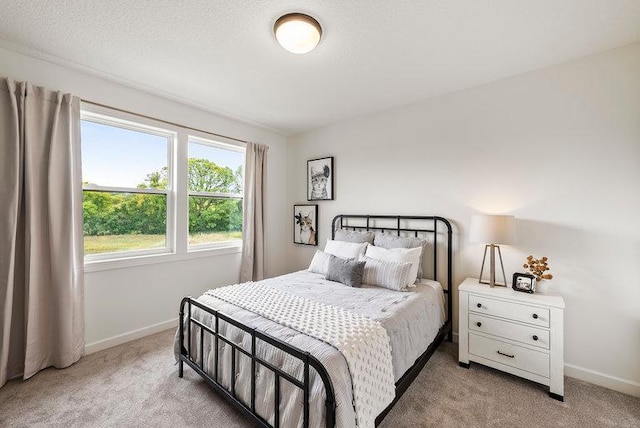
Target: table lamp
492 230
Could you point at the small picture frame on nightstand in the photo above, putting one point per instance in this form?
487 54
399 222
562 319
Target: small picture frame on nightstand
524 282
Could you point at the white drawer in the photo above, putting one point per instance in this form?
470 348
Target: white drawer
514 311
530 335
511 355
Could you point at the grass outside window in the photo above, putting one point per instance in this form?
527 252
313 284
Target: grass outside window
117 243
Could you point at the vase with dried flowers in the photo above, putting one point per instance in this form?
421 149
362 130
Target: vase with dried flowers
538 267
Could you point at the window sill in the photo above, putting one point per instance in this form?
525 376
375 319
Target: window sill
150 259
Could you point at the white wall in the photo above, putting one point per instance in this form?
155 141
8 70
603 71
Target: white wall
125 303
559 148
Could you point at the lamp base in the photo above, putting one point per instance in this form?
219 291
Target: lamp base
495 284
492 262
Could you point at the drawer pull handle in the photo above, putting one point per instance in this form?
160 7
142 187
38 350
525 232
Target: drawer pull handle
535 316
479 305
535 337
506 355
479 324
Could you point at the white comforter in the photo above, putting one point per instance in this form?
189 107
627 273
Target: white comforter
411 320
362 341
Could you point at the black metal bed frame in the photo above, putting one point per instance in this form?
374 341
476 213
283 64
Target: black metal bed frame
308 360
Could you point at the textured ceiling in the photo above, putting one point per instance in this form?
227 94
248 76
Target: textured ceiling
374 55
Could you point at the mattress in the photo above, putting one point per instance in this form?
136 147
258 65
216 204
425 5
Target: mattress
412 320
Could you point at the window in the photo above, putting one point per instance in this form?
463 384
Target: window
153 189
215 180
126 186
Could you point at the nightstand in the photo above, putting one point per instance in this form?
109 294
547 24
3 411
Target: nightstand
515 332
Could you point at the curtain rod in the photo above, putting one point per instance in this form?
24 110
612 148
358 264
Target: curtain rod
162 121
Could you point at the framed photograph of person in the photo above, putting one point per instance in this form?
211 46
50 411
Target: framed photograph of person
305 224
320 179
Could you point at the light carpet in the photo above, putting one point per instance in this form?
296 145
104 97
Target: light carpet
137 384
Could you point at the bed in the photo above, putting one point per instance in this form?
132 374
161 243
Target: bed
252 343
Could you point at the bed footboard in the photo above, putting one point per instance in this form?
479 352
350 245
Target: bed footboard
188 323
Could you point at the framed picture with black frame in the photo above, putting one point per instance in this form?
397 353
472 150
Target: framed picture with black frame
524 282
305 224
320 178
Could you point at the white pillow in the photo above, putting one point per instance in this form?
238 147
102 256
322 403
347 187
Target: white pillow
410 255
391 275
387 240
346 250
320 262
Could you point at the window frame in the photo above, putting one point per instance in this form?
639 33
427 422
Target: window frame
216 143
177 246
141 126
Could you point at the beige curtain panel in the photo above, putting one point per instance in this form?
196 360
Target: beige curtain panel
41 252
255 175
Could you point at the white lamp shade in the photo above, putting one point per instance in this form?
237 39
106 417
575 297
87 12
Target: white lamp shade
493 229
298 33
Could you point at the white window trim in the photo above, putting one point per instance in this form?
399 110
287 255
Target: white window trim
177 233
222 143
151 259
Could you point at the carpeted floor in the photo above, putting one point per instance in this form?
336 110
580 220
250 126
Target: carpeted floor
137 384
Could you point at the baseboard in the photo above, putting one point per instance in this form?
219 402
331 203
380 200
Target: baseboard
129 336
617 384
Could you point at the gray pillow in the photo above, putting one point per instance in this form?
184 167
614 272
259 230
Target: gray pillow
354 236
345 271
387 240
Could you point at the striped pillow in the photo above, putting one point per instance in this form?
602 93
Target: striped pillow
405 255
391 275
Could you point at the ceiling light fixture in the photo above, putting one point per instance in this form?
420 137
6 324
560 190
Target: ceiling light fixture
298 33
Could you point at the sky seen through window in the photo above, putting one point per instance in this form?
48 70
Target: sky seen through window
119 157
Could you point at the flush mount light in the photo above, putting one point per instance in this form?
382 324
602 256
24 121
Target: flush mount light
298 33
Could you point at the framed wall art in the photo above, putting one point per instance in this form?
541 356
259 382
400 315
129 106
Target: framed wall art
320 179
524 282
305 224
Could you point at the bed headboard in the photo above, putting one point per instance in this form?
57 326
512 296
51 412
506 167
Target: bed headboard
425 227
